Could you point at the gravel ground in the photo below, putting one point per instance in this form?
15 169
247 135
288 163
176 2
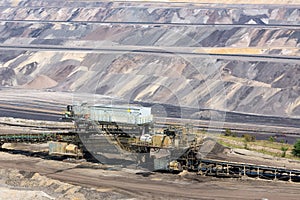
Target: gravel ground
37 178
15 184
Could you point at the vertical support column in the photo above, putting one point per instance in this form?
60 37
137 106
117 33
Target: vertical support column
275 179
258 172
200 169
290 179
244 170
227 172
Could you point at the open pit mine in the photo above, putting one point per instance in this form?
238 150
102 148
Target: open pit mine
193 99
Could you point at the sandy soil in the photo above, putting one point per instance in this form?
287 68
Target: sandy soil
41 82
48 179
296 2
253 157
25 185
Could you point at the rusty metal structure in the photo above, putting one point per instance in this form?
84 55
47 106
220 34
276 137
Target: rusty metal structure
109 132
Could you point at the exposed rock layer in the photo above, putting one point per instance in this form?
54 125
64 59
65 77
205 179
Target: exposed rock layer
243 84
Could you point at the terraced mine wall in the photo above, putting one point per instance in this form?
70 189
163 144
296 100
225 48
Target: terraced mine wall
241 58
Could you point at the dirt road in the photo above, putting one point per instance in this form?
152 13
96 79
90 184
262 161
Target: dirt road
151 185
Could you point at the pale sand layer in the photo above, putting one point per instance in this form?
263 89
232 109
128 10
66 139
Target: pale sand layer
270 2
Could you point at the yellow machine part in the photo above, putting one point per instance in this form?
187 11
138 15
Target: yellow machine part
174 165
68 113
161 141
57 147
71 148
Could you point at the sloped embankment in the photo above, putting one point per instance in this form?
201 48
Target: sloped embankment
24 185
76 47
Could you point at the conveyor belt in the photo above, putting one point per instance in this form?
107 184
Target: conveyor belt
189 161
37 137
